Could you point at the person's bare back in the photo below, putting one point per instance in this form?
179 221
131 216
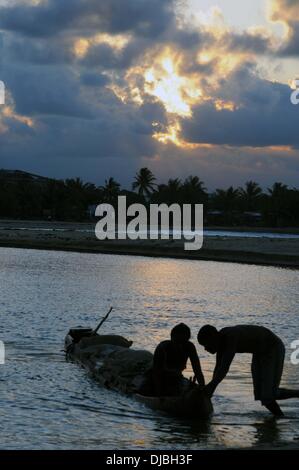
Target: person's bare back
247 339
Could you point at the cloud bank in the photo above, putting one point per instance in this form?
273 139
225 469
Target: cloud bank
99 88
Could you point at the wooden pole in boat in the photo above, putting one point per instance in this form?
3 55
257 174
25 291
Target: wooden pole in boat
102 321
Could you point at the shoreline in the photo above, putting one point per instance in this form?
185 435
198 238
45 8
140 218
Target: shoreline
280 252
205 255
10 224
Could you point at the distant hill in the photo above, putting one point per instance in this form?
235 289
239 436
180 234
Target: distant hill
17 176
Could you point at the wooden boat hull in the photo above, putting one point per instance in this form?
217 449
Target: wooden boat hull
113 364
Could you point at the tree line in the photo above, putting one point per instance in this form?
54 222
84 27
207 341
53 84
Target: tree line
73 199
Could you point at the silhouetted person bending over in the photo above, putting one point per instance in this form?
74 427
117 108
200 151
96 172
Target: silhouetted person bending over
267 351
170 359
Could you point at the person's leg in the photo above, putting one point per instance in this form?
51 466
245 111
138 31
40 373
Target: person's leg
282 393
261 382
274 408
271 368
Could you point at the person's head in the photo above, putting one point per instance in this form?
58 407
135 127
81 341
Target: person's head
180 333
208 337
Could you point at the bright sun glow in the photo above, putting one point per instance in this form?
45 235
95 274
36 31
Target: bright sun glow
176 92
172 135
179 93
165 80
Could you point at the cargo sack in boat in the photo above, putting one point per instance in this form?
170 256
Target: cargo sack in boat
95 340
125 369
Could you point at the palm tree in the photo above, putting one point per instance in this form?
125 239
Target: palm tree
279 203
76 184
78 195
169 193
110 190
226 199
144 182
251 195
278 190
193 190
174 185
173 191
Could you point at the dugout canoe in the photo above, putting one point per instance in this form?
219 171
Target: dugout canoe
115 365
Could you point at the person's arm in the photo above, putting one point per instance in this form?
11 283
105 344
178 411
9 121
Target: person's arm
223 363
195 362
218 362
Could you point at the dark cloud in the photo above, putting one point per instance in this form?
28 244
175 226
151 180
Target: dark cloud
291 48
46 90
118 134
39 51
143 17
90 123
92 79
105 56
288 12
188 39
150 112
102 55
248 42
1 45
227 44
265 115
80 124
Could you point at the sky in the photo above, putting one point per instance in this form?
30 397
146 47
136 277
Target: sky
202 87
238 14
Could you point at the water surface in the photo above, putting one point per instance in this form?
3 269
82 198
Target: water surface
48 403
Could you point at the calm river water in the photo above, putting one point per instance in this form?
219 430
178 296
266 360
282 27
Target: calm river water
48 403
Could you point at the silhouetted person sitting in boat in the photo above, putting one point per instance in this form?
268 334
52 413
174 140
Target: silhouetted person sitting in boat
170 359
267 351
